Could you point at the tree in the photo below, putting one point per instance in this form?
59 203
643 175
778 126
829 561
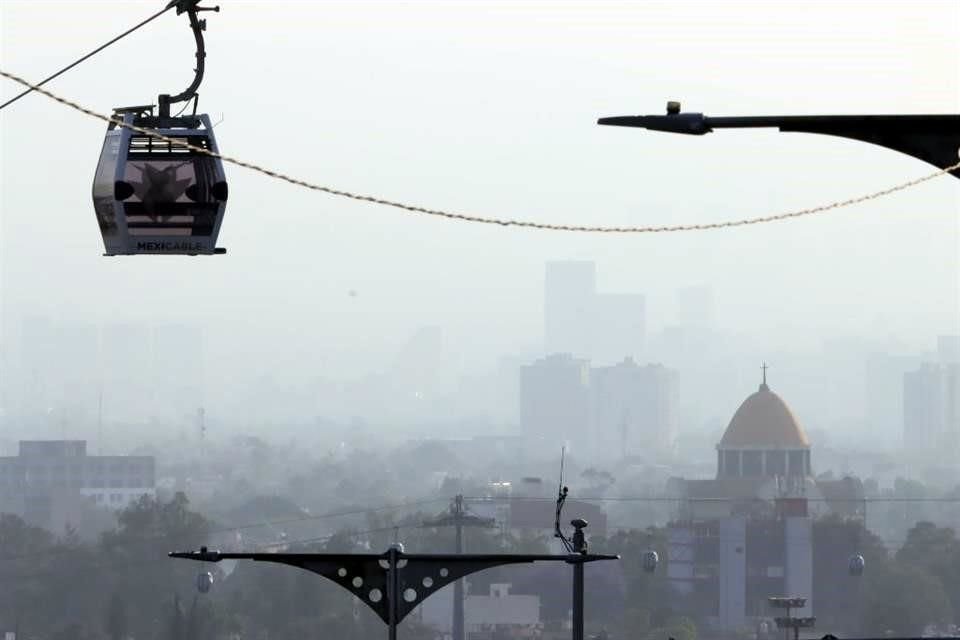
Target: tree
116 618
936 551
134 556
903 599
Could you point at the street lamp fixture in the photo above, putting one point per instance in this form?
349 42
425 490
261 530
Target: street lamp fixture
933 138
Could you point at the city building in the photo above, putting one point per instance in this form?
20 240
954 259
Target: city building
883 397
619 326
635 412
579 320
555 403
50 482
746 534
931 405
569 290
497 614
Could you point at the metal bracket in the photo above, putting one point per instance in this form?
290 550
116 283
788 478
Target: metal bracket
403 580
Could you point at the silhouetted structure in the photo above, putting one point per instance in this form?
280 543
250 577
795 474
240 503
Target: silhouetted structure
931 138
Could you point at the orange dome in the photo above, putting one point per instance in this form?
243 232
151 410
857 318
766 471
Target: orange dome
764 421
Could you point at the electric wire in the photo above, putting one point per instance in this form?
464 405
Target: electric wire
89 55
503 222
241 527
868 500
110 562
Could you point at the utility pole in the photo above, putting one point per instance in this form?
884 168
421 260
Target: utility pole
458 518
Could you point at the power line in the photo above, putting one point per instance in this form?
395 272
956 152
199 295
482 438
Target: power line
108 562
89 55
503 222
324 516
402 505
868 500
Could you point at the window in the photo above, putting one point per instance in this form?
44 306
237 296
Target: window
103 184
731 463
776 463
752 465
171 196
798 463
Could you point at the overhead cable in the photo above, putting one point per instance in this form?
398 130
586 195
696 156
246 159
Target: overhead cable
89 55
503 222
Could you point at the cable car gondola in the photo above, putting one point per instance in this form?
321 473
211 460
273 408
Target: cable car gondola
151 195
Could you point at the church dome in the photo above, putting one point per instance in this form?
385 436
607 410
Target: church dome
764 421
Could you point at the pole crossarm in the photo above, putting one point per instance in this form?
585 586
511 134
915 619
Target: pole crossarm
931 138
369 576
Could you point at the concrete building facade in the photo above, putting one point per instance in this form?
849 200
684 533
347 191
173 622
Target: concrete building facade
50 482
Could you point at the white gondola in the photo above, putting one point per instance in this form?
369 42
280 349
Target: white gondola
152 195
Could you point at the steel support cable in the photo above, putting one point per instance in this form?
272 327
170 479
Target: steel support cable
89 55
503 222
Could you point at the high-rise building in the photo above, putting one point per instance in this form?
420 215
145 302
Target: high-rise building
570 289
619 326
931 411
555 401
635 408
579 320
883 397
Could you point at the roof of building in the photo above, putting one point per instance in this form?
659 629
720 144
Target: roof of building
764 421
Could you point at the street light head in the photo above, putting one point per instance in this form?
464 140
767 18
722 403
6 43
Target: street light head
579 523
673 107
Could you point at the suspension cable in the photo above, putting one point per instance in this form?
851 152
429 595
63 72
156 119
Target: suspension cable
89 55
503 222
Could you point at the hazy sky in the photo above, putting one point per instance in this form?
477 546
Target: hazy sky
490 108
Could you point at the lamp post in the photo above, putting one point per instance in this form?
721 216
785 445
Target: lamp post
931 138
